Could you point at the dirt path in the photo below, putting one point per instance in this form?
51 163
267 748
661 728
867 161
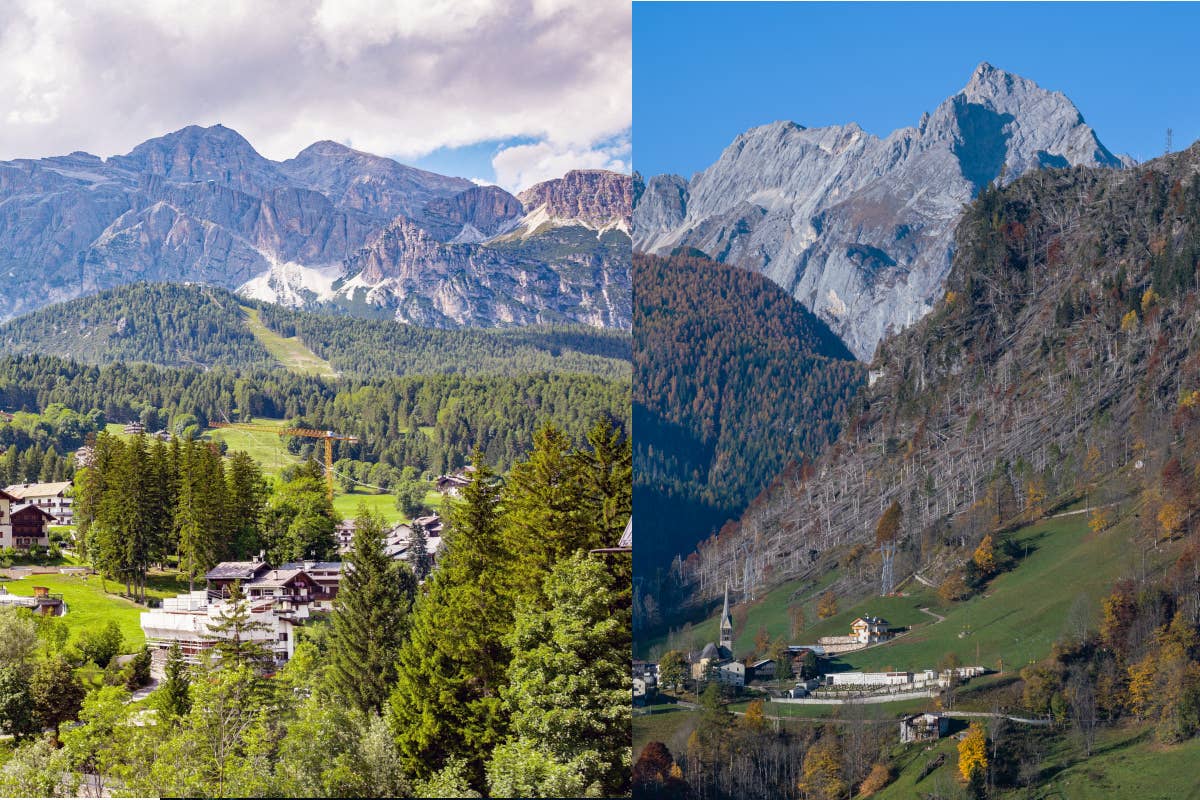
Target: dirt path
937 617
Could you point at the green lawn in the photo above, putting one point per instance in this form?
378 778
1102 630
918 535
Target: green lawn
669 724
260 440
1126 763
88 606
1022 612
815 711
290 352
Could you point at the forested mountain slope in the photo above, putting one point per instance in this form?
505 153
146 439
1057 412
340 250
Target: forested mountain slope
1065 348
431 422
734 379
202 326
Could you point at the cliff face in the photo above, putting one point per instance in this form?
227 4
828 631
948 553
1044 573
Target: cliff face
858 228
593 197
201 205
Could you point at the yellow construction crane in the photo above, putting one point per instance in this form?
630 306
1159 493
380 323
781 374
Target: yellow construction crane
311 433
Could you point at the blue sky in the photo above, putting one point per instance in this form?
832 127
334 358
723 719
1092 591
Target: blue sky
704 72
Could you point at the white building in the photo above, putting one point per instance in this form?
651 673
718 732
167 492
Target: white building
279 599
52 497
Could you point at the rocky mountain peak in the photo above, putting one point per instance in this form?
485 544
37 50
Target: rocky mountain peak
858 228
594 197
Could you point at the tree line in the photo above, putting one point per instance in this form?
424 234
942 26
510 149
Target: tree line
142 501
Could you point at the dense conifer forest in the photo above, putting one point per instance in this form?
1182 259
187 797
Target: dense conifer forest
734 379
207 327
430 423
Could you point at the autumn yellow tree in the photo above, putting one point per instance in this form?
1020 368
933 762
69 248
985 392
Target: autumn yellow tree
753 719
972 752
821 776
1098 520
1129 322
1170 518
985 556
1035 497
827 606
796 615
953 588
879 777
1142 679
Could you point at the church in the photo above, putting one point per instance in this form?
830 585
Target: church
716 661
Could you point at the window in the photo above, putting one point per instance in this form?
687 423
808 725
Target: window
283 636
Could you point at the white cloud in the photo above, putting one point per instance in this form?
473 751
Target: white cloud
396 78
521 166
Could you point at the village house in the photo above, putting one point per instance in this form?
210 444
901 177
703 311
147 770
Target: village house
134 428
452 485
870 630
396 543
344 533
23 525
926 727
53 497
281 599
761 670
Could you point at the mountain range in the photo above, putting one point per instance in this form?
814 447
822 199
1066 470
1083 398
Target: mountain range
332 228
861 228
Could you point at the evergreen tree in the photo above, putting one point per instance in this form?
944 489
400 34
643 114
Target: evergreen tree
419 559
547 517
369 620
173 697
568 690
232 633
248 493
446 703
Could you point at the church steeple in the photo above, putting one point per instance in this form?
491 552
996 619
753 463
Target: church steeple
727 623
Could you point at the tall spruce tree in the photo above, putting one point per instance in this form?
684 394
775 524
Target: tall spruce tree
419 559
248 493
232 634
446 703
370 618
173 698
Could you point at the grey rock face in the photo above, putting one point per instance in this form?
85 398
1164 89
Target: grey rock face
202 205
594 197
860 228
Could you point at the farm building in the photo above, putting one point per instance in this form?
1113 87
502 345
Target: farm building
23 525
926 727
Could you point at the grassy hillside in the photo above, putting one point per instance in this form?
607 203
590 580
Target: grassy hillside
1017 618
288 351
89 605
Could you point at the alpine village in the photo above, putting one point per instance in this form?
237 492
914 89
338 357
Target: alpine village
316 477
907 545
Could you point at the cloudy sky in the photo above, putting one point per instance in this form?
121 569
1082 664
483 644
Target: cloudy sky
495 90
